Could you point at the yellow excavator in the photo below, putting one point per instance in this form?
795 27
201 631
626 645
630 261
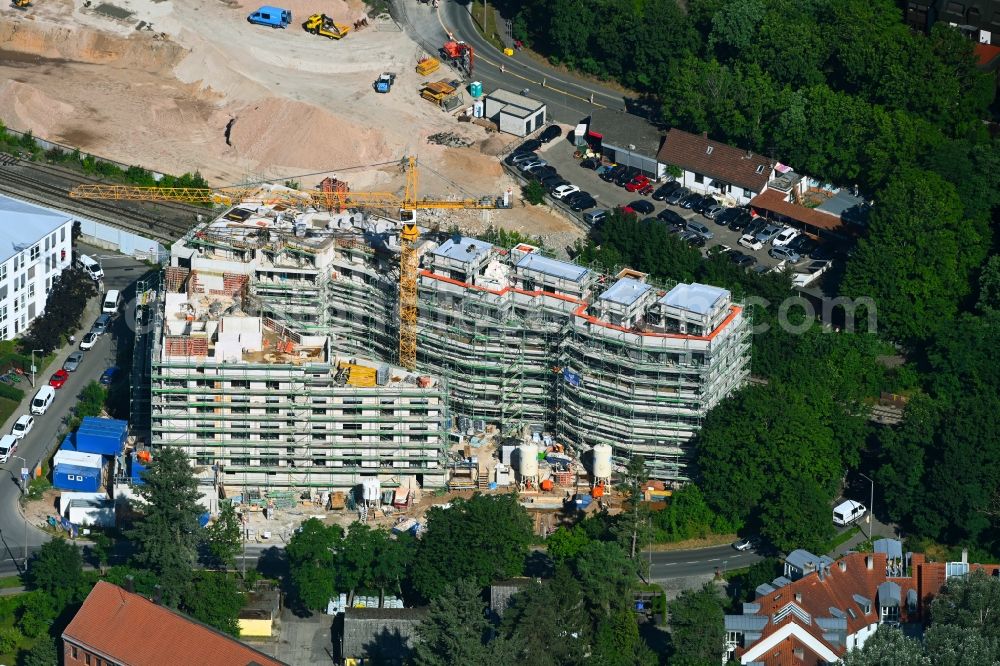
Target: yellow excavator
20 4
323 25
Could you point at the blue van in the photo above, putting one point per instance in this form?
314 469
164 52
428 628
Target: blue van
276 17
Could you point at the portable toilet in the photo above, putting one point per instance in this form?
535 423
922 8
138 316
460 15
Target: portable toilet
478 109
476 88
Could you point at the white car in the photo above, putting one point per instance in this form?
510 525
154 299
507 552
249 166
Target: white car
750 241
8 444
22 426
786 236
564 190
88 341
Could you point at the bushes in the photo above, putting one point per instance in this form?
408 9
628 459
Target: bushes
11 393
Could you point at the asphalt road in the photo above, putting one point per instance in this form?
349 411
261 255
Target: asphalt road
668 564
15 533
568 97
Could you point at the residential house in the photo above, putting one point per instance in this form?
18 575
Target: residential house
626 139
115 627
804 203
383 635
35 248
710 167
822 608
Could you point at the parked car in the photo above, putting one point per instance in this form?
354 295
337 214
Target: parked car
786 236
570 198
642 207
803 244
740 222
694 239
750 241
550 133
700 229
750 543
784 254
663 191
540 171
529 146
57 380
673 218
595 216
8 445
101 324
675 197
563 190
742 259
553 181
109 376
590 163
703 204
583 203
609 174
714 211
531 164
725 216
824 252
768 233
23 425
73 361
638 182
625 176
755 226
88 341
519 158
690 200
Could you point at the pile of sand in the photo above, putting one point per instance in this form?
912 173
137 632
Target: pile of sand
27 108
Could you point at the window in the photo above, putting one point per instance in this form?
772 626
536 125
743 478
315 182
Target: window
46 243
352 426
3 271
708 151
747 193
36 251
760 168
239 462
48 266
238 383
62 238
3 333
3 313
31 290
698 178
204 458
274 386
86 659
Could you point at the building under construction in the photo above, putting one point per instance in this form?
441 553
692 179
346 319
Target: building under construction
505 336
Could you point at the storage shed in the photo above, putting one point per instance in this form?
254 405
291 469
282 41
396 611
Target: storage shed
95 435
514 113
76 477
384 635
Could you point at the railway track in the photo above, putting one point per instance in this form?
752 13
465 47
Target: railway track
49 185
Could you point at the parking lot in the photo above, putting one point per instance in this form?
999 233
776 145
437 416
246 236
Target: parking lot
559 154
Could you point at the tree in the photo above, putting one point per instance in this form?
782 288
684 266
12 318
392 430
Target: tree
42 653
355 559
989 286
215 599
972 602
917 258
888 646
696 627
606 574
63 309
743 587
533 192
36 613
167 535
547 622
565 543
392 561
953 645
224 537
617 642
310 554
57 570
481 539
456 630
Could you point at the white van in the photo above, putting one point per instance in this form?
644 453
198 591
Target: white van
91 266
40 403
848 512
112 300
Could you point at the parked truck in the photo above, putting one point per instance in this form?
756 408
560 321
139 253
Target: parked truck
383 83
324 26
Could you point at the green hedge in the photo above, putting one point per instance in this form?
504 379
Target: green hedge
8 391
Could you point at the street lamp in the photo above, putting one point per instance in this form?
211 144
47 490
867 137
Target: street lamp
24 489
871 505
33 365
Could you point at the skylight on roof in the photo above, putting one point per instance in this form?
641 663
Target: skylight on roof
708 151
760 168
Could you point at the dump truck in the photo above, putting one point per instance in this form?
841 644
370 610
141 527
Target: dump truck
459 54
324 26
444 93
428 66
383 83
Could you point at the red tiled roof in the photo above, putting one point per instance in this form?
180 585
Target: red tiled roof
987 55
133 630
776 201
726 163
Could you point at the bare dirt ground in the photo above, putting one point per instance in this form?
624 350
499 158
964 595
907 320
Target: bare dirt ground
155 82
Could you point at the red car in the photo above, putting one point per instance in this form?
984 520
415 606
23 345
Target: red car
57 380
637 183
647 190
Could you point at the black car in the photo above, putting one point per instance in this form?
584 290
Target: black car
677 195
612 173
703 204
803 245
755 226
623 179
529 146
583 203
570 199
642 207
552 182
740 222
742 260
725 217
541 172
517 156
590 163
665 190
672 218
695 241
690 200
550 133
824 252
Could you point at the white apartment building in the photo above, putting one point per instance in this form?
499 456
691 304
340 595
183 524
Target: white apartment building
35 247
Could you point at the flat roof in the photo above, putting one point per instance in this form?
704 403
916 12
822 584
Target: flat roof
621 129
508 97
23 224
463 249
700 298
553 267
841 201
626 291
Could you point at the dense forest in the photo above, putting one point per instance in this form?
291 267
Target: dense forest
841 90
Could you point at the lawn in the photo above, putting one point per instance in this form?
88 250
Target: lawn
7 407
486 20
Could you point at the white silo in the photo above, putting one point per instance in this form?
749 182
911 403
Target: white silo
527 463
371 490
602 463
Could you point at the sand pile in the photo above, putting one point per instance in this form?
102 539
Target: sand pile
286 133
27 108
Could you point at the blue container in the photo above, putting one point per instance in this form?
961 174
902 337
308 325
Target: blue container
492 485
103 436
79 479
476 88
583 501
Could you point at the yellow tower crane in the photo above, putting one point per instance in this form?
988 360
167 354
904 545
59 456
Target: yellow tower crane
408 204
